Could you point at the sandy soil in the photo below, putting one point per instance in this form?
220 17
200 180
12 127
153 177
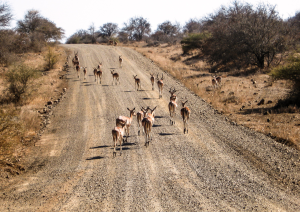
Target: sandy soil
218 166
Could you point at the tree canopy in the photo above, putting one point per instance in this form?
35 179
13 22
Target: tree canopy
35 25
5 15
137 28
242 35
109 29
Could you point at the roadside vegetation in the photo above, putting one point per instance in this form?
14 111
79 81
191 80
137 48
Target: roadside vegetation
257 55
252 48
28 80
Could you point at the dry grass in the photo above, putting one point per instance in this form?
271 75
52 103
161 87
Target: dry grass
238 97
20 124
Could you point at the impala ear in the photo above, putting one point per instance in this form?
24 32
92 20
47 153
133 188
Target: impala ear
128 109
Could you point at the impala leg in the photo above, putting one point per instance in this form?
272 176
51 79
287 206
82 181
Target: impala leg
114 153
127 135
187 127
121 139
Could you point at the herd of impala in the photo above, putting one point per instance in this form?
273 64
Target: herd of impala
145 117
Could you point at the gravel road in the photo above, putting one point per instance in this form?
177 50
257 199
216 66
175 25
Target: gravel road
218 166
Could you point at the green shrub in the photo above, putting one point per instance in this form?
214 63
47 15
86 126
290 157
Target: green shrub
51 58
19 78
290 71
194 41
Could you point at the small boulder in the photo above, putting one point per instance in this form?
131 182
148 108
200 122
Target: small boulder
261 102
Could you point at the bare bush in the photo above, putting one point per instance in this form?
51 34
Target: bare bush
51 58
167 32
19 78
192 26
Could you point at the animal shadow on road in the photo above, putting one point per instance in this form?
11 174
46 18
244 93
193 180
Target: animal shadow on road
159 117
166 134
128 144
156 125
95 158
99 147
86 84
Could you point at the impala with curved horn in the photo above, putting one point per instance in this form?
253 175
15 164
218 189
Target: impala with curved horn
128 121
173 97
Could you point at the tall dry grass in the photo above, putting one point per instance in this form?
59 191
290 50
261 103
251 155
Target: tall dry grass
24 121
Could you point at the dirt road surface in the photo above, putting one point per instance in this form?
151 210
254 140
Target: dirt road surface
217 166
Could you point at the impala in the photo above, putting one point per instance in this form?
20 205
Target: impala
160 85
214 82
115 77
185 114
173 97
99 65
137 83
95 73
84 72
77 69
152 81
147 123
75 63
172 109
118 133
75 60
151 114
219 80
120 61
139 117
128 121
99 75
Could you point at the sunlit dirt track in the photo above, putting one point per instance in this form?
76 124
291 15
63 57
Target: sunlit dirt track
218 166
